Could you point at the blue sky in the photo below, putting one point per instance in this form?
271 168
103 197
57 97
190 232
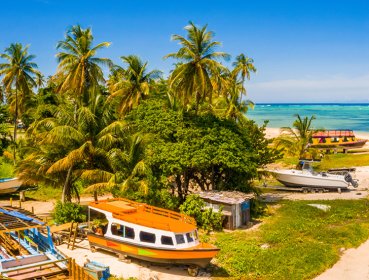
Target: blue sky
305 51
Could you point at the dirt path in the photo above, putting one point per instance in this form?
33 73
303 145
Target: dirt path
353 265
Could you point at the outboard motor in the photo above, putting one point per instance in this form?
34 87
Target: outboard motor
348 178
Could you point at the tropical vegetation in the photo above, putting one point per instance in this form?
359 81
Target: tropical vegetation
134 132
297 242
298 137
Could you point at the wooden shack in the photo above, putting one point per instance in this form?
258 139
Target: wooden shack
236 206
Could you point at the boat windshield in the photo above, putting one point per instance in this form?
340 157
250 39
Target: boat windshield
307 166
191 236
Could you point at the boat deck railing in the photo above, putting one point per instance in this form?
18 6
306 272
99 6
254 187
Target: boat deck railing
142 207
334 133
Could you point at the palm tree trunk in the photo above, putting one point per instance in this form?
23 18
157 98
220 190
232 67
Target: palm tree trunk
66 186
15 125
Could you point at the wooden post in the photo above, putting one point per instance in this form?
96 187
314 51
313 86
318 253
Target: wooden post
22 196
20 203
33 210
11 202
74 269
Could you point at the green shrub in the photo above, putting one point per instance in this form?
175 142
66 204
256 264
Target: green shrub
257 208
206 219
68 212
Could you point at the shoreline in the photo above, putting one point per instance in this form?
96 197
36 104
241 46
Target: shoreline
272 132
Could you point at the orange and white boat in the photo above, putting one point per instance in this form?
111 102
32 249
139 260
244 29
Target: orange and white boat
149 233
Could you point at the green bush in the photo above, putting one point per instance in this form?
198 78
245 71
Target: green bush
68 212
257 208
206 219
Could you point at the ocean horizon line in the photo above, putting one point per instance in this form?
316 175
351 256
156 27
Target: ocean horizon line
313 103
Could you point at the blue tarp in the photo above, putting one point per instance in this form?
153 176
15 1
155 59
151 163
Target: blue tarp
21 216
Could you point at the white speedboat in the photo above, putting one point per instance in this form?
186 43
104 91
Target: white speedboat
9 185
310 179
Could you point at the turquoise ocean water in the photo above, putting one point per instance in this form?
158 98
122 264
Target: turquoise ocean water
328 116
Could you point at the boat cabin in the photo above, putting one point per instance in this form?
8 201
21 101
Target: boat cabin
141 224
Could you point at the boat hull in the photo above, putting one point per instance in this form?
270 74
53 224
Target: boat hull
306 180
9 185
353 144
193 256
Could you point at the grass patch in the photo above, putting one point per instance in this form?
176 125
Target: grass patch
44 193
303 241
6 169
331 161
343 160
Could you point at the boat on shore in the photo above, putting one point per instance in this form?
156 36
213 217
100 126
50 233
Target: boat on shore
309 179
148 233
9 185
336 138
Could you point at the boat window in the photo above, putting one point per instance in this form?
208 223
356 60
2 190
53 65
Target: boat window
166 240
122 231
189 236
180 239
116 229
147 237
129 232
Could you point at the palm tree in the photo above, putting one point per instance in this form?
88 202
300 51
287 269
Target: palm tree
130 171
236 107
191 79
79 68
68 144
297 138
131 84
20 76
243 66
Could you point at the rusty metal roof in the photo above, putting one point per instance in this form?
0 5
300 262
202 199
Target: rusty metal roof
227 197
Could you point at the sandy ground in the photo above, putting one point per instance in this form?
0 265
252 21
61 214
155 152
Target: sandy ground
138 269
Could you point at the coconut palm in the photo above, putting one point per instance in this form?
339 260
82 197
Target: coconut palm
20 75
68 144
130 171
243 66
79 69
236 106
297 138
131 84
191 79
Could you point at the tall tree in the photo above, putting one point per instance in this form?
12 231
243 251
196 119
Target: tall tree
79 69
243 66
191 79
68 145
20 75
132 83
